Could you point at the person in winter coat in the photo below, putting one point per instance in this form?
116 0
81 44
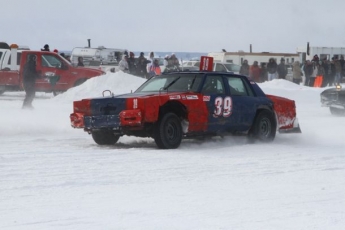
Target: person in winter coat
45 48
123 65
296 73
272 69
244 70
255 72
308 71
338 71
132 65
166 60
282 70
154 69
264 73
151 59
30 75
141 66
80 62
173 63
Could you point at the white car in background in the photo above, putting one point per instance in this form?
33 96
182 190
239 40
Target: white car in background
217 66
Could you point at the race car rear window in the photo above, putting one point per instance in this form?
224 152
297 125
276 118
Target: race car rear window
172 83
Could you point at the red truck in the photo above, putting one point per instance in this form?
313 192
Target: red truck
58 75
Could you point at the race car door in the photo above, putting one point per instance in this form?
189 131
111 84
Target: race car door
221 116
244 102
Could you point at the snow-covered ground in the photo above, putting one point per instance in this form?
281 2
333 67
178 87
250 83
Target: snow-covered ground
55 177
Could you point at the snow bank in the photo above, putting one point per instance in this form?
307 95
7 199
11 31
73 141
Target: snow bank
118 83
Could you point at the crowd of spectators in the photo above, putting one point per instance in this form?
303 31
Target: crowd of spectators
330 71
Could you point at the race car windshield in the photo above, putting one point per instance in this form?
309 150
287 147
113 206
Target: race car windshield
172 83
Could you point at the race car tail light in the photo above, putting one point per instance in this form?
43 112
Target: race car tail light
77 120
130 117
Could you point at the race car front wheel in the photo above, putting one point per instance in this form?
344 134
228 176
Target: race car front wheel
168 132
264 127
105 137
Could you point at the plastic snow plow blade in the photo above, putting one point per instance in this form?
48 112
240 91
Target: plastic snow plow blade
285 110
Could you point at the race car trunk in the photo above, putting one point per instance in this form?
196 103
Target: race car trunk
285 110
104 113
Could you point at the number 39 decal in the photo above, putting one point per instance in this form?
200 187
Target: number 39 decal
223 107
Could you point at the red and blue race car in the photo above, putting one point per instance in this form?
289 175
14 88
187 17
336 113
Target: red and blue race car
179 105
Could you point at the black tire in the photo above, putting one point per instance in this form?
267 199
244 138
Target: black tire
104 137
264 127
2 92
168 132
337 111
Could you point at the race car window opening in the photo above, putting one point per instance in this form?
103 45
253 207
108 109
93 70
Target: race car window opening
183 84
213 85
238 87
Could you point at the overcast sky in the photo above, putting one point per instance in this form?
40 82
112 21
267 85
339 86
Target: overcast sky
173 25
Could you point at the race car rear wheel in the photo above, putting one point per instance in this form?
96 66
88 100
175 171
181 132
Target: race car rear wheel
264 127
105 137
337 111
168 132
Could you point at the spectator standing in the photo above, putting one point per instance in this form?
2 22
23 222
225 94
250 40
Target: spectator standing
320 74
338 71
315 58
166 60
327 69
45 48
297 73
151 59
308 71
141 66
30 75
154 68
272 69
282 70
80 62
342 64
244 70
315 68
174 61
264 73
255 72
132 65
123 65
332 75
